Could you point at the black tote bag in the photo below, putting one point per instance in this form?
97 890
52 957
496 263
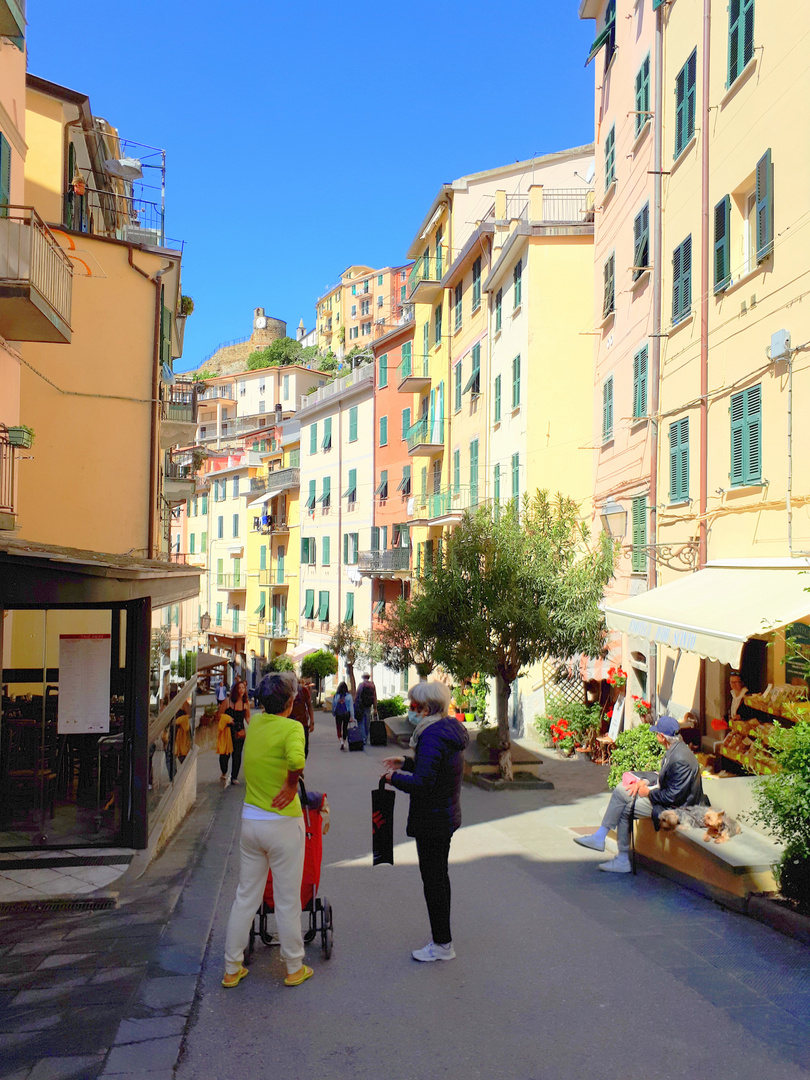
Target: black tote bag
382 824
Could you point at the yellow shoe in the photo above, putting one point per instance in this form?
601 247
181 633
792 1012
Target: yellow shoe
233 980
298 977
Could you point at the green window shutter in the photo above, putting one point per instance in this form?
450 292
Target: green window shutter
609 302
379 279
641 241
425 343
326 444
607 409
517 281
310 503
498 310
383 431
682 280
313 439
642 95
237 571
516 382
740 36
204 543
515 476
424 480
722 263
457 305
474 472
610 157
406 422
5 174
457 386
640 383
261 609
326 551
353 424
497 486
659 3
375 538
498 399
752 436
280 561
220 527
639 527
680 111
383 365
354 547
262 557
219 613
191 543
476 284
349 608
737 410
383 488
326 495
407 359
456 471
346 549
220 571
204 505
352 485
309 604
304 551
764 209
437 321
438 253
406 479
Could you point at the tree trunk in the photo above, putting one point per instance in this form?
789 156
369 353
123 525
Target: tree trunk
502 691
350 673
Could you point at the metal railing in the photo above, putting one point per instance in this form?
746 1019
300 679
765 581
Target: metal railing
365 373
269 578
180 402
232 581
567 205
447 501
8 501
423 432
270 525
417 365
230 626
125 217
178 468
221 391
425 269
279 478
30 255
384 561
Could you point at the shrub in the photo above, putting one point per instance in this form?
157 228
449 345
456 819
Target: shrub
636 750
580 723
393 706
278 663
542 726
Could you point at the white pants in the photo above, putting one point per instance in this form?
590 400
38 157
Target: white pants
276 845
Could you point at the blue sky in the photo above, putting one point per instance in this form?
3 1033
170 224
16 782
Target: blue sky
305 137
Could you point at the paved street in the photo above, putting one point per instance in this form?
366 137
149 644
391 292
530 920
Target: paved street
561 972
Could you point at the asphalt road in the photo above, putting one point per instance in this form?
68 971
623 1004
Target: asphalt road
561 971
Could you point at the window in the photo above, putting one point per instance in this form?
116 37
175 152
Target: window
379 279
402 294
354 290
365 286
457 306
456 471
682 281
437 325
326 496
204 507
439 237
640 384
353 424
219 613
191 540
406 366
235 524
638 560
326 551
425 344
220 527
722 262
476 284
498 399
607 409
517 281
382 488
679 460
295 458
354 332
262 557
261 387
685 104
498 310
607 35
746 437
497 486
382 379
457 386
383 431
474 381
261 610
235 487
641 241
261 406
474 472
740 36
365 328
203 543
349 609
304 550
351 548
610 157
223 489
515 476
437 477
285 385
379 301
764 206
310 503
423 485
643 95
516 382
353 311
311 551
326 442
350 494
405 483
365 307
323 606
609 301
242 388
313 439
406 422
309 604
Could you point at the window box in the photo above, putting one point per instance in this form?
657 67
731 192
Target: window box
22 437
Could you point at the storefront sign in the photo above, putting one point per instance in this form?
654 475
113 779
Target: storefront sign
84 684
616 720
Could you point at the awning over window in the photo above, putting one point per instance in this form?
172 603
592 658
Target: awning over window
715 611
600 41
268 495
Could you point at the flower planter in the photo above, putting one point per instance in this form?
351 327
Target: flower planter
20 436
469 717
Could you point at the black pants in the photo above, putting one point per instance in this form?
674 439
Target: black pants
238 745
342 725
433 852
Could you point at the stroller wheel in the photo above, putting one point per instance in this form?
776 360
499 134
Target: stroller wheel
326 930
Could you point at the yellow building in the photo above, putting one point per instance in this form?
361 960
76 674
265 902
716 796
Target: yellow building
361 307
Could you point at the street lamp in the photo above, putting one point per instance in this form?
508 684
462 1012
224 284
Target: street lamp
614 519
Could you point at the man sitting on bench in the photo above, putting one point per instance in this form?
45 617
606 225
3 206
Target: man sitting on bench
677 783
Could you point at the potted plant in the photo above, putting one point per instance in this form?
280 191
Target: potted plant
618 678
642 708
186 306
22 436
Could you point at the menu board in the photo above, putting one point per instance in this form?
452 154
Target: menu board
84 684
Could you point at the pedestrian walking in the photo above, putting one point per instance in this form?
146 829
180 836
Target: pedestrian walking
343 712
303 712
272 833
433 780
222 691
234 716
365 702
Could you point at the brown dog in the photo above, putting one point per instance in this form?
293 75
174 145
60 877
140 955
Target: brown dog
719 827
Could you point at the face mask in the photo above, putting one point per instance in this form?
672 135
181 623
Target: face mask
414 716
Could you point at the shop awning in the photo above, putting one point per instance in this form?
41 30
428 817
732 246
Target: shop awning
715 611
300 652
209 660
268 495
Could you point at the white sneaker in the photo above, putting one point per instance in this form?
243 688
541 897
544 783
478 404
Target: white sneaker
432 951
619 865
593 842
342 744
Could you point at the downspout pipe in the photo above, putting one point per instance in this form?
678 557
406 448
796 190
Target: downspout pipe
704 293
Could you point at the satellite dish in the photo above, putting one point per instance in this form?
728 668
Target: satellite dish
589 175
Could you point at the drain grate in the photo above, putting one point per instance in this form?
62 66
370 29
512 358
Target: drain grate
21 907
50 862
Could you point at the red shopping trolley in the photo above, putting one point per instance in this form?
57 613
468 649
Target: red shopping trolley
315 907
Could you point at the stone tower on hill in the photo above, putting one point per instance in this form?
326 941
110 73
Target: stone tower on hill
228 359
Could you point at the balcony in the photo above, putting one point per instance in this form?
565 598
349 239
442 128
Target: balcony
178 415
232 582
444 507
8 495
272 579
278 631
179 479
278 480
223 392
229 626
426 438
413 375
12 21
36 280
382 563
270 526
424 279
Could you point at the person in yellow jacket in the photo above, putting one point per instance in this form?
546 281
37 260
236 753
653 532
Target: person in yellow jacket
272 831
182 733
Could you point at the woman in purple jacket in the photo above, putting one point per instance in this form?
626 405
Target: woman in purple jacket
433 780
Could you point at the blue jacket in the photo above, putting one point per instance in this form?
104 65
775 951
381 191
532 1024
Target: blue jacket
433 779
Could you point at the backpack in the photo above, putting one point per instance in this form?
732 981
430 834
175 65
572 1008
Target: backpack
366 696
341 708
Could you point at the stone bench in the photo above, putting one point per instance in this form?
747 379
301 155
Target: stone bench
399 729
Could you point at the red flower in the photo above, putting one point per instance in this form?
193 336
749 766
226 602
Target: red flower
719 725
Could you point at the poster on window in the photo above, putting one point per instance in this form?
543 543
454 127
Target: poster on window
84 684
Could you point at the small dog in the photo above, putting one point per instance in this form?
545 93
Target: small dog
719 826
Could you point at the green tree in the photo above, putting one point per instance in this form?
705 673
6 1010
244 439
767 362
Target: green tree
408 639
510 588
317 666
328 363
283 351
282 662
354 647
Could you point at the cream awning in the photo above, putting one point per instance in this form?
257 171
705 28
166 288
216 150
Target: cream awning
715 611
268 495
